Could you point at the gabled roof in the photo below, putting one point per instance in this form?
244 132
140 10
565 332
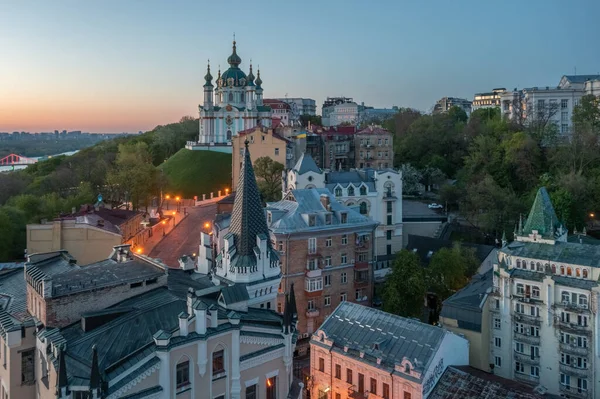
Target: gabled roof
306 164
359 328
425 247
541 216
234 293
374 130
465 305
581 78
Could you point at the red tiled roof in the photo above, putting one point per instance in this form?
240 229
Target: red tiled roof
374 130
276 104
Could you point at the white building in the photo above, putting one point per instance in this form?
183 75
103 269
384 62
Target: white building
375 193
282 112
487 100
301 106
235 105
544 320
337 114
445 103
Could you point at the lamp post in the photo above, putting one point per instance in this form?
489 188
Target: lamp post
178 199
167 197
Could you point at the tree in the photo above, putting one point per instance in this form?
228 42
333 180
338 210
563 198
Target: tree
411 179
268 174
404 290
450 269
402 121
587 113
313 119
12 232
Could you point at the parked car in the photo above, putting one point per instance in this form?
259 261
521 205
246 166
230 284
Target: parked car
435 206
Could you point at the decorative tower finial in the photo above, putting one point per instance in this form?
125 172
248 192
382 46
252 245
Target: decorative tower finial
520 223
208 77
504 240
258 79
234 60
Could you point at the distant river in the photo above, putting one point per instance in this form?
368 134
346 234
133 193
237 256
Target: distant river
43 158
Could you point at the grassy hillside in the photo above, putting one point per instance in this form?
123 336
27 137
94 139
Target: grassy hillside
192 173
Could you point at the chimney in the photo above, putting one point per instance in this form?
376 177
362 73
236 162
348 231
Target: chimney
325 201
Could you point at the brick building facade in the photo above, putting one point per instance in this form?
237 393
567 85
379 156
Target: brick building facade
374 148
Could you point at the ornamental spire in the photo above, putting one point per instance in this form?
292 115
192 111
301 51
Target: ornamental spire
208 77
234 60
258 79
250 76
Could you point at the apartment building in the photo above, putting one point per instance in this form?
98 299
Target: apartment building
487 100
374 148
544 314
326 251
360 352
445 103
373 193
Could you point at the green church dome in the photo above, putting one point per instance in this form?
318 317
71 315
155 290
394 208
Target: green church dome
234 76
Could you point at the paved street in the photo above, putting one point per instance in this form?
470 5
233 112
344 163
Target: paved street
185 238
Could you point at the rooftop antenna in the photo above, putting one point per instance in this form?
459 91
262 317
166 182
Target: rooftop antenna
575 71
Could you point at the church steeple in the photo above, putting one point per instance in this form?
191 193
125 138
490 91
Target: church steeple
234 60
250 77
208 77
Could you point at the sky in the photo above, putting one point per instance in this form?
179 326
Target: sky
129 65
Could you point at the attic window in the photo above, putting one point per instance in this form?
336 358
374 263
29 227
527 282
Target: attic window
263 138
328 219
152 281
375 346
407 368
344 218
269 217
311 220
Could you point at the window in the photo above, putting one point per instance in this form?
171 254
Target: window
585 273
582 363
497 324
520 289
327 280
251 392
321 364
363 190
343 297
388 249
389 207
327 300
350 191
535 371
388 235
183 374
344 278
498 342
344 259
327 261
313 284
373 386
218 363
583 301
349 376
581 384
498 361
361 383
328 219
564 116
345 239
565 297
565 380
328 242
344 217
358 295
27 366
338 371
272 388
407 395
363 208
338 192
519 347
389 220
77 395
312 245
263 138
280 247
535 292
519 308
310 305
276 151
541 104
564 104
386 391
519 367
311 264
312 220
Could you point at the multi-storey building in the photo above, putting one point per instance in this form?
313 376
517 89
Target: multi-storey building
264 142
544 319
445 103
300 106
361 352
487 100
338 147
282 111
342 113
374 148
326 252
373 193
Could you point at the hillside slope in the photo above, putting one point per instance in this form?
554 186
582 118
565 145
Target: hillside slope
191 173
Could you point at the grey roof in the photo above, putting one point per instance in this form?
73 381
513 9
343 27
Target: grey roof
234 293
466 305
354 177
359 328
305 164
308 201
426 246
581 78
248 218
560 252
103 274
575 282
467 382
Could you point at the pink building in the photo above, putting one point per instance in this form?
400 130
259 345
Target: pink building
360 352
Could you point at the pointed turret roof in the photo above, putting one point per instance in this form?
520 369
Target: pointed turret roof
541 216
305 164
234 60
63 380
250 77
258 80
248 217
208 77
95 376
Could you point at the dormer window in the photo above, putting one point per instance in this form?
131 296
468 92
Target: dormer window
344 217
311 220
338 192
407 368
350 191
328 219
363 190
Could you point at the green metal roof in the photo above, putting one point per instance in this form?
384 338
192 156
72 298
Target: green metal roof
541 216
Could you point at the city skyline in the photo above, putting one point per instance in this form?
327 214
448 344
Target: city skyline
114 67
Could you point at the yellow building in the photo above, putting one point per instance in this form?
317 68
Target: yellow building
262 142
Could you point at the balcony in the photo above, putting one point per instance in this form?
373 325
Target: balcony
574 371
312 313
390 196
527 319
527 359
574 350
573 328
573 307
527 298
526 378
313 273
574 392
493 307
360 266
528 339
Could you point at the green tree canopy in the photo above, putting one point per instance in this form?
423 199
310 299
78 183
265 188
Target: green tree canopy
268 176
405 288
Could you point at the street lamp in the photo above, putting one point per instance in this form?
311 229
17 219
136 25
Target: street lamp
139 250
226 191
207 225
592 215
178 199
167 197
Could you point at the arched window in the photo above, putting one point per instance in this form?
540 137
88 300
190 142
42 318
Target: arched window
230 97
539 267
585 273
350 191
183 373
553 269
389 188
569 271
229 135
338 192
518 263
363 208
242 97
562 270
363 190
578 272
532 265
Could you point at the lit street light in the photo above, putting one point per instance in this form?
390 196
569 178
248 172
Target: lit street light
592 215
207 225
178 199
167 197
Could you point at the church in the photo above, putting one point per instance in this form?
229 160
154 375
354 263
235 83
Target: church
235 105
